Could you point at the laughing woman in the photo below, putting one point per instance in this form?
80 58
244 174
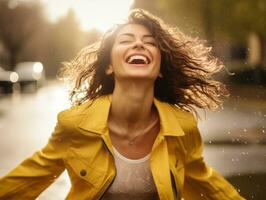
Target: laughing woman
131 133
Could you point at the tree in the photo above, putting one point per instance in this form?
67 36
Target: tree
235 20
17 25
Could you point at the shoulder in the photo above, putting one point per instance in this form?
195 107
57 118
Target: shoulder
92 109
192 139
186 119
71 117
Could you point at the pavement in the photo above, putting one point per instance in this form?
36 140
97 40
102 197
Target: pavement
234 135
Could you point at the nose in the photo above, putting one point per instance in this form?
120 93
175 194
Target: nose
138 44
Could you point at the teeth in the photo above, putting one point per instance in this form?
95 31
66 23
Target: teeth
139 57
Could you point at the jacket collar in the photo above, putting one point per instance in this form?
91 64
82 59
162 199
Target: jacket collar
96 117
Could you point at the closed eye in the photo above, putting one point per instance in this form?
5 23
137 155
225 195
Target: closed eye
151 43
125 41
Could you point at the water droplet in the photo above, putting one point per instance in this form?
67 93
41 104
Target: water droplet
228 132
245 130
210 142
238 189
263 131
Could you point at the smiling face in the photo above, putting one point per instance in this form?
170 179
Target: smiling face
135 54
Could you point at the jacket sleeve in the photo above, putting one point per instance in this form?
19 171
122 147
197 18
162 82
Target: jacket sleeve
201 181
36 173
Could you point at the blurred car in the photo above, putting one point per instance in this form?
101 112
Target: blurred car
30 73
7 80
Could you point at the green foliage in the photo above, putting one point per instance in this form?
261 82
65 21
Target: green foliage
235 18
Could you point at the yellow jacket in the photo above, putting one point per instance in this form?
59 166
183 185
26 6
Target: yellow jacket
81 144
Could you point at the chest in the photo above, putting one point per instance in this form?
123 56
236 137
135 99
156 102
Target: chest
135 145
91 166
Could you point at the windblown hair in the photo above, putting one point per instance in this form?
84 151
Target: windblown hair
187 67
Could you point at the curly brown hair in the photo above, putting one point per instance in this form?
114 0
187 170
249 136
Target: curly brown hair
187 67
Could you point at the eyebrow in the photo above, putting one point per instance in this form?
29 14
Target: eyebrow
132 35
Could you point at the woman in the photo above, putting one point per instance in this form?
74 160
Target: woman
132 133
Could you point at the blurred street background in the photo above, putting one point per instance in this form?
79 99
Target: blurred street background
37 36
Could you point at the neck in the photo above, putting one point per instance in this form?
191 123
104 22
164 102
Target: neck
132 105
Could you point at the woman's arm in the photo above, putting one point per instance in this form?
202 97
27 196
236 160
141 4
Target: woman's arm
36 173
201 181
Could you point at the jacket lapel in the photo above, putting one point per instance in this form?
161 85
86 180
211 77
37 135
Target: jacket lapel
96 117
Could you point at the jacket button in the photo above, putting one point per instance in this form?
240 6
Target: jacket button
83 172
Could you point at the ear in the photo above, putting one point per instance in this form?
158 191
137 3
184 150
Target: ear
109 70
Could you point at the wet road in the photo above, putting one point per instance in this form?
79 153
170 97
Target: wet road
234 136
26 122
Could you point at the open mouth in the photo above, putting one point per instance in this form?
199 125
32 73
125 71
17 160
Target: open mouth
138 59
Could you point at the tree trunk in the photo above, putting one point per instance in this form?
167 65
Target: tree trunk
207 18
263 51
13 56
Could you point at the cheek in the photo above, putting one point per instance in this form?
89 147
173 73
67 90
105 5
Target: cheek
113 56
116 56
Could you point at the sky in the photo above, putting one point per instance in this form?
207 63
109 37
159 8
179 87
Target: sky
97 14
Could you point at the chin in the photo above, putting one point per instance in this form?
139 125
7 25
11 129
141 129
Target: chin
141 76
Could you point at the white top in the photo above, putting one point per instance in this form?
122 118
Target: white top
133 180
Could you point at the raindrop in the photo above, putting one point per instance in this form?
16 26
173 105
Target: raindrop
210 142
233 160
201 195
263 131
228 132
238 189
223 150
245 130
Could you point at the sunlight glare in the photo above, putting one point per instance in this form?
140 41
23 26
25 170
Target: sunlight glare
99 14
